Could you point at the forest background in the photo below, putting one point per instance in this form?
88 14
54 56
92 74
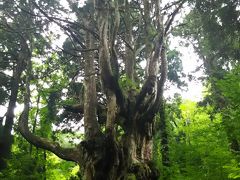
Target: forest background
69 99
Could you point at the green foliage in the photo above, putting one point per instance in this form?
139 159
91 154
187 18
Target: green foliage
230 86
58 169
198 144
175 69
37 165
233 169
213 29
21 166
199 136
131 177
229 89
127 84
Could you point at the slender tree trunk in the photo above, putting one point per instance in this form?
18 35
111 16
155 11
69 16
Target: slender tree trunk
6 139
35 122
163 120
44 165
164 136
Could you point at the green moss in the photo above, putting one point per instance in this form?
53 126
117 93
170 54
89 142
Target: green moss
144 171
131 177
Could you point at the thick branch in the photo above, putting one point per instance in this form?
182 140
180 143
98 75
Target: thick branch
164 66
148 94
111 112
109 81
91 125
79 108
159 102
163 125
129 52
104 54
154 61
147 31
76 108
113 52
70 154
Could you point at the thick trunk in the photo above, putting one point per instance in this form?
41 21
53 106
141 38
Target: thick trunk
121 148
108 160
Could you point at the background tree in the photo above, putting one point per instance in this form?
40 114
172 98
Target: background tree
216 41
22 39
213 30
16 51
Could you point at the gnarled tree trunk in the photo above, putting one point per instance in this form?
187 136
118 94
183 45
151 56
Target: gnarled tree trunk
105 153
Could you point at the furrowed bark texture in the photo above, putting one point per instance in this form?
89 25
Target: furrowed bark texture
91 126
129 47
121 146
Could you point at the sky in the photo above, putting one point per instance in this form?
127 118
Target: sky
190 62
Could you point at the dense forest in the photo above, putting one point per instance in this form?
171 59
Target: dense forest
84 83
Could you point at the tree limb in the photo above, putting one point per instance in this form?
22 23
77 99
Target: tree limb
158 104
129 52
172 16
110 82
66 28
91 126
148 94
113 52
70 154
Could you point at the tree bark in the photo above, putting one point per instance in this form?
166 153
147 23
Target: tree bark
129 47
91 126
163 120
6 139
35 122
105 153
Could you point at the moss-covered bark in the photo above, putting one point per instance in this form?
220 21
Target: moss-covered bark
105 159
105 153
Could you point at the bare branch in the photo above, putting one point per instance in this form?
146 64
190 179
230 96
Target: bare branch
67 28
149 92
126 43
113 52
172 16
169 5
149 116
79 50
76 108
